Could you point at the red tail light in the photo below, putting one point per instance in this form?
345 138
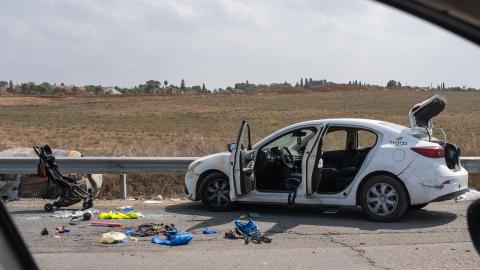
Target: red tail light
430 151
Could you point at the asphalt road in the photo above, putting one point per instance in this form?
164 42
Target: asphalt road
303 237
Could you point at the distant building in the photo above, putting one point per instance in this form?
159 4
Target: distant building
111 90
3 86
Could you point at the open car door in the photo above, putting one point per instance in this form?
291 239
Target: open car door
242 161
422 113
313 165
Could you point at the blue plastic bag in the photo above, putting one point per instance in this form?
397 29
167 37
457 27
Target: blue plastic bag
248 228
208 231
174 238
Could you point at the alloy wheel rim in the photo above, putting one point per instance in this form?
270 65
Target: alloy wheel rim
382 199
217 193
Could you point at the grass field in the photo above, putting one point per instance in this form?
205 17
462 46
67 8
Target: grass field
203 124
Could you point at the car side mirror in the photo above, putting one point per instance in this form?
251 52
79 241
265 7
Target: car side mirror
231 147
473 220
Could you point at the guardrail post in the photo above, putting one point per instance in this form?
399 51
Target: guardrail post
123 186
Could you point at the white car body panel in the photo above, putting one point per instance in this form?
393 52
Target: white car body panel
392 154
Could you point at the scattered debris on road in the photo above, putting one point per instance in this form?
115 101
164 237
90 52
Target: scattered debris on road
208 231
125 208
61 229
112 238
470 195
71 213
106 224
44 231
119 215
174 238
248 232
151 229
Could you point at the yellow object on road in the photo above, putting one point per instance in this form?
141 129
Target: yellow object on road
118 215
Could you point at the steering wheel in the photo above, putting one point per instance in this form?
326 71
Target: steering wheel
287 158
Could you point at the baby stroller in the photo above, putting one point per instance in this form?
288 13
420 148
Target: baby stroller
68 190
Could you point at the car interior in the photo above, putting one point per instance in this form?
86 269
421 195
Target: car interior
278 166
341 155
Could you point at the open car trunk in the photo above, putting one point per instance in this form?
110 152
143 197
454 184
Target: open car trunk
421 116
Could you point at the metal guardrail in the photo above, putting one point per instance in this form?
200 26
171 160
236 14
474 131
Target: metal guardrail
103 165
129 165
471 164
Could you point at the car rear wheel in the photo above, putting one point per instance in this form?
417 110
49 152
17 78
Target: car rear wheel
383 198
215 192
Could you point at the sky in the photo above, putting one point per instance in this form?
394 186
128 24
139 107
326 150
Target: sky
220 42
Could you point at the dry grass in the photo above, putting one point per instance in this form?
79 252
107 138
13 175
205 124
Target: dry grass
199 125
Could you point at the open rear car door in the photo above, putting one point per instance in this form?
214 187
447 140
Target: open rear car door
422 113
242 159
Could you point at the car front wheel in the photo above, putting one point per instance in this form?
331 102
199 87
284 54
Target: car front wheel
383 198
215 192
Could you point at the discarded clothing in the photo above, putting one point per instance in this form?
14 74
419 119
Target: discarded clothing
118 215
113 237
234 234
79 213
208 231
250 232
174 238
61 229
151 229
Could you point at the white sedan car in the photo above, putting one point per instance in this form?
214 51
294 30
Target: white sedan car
383 167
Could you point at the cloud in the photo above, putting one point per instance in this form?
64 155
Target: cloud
220 42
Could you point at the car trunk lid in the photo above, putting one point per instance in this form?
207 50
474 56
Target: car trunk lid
422 113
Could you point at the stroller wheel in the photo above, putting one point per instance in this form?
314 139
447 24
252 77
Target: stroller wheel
48 207
87 204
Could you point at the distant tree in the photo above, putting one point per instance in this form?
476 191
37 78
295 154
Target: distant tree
399 84
165 82
10 86
182 84
44 88
301 81
203 88
391 83
151 85
349 82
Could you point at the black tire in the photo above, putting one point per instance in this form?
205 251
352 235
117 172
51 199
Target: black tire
215 192
383 199
417 206
48 207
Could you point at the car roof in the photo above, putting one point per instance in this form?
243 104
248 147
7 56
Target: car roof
377 125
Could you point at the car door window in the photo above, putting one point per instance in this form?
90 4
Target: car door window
295 141
335 140
366 139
